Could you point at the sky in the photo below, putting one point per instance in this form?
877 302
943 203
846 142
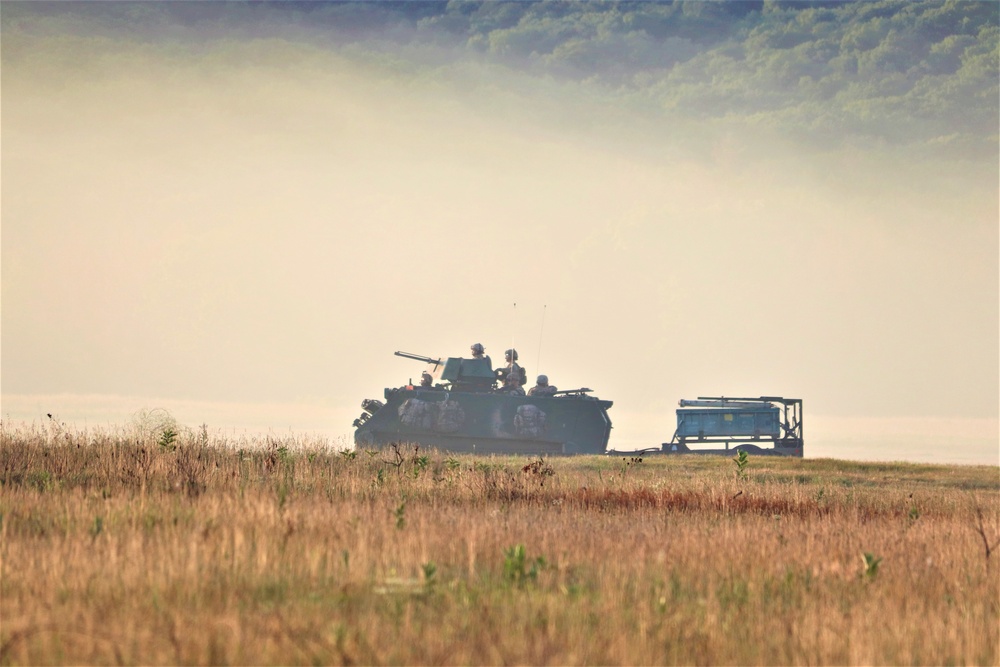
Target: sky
243 233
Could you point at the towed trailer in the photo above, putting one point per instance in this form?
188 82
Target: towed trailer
769 425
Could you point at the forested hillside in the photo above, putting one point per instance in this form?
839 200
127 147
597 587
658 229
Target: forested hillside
895 71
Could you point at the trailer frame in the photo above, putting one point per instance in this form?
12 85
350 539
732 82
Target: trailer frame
789 441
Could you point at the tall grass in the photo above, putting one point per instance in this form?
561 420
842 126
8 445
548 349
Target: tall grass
123 547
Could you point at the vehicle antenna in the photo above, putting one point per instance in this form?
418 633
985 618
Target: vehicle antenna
541 330
512 318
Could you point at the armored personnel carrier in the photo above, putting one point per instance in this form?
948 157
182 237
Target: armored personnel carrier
458 409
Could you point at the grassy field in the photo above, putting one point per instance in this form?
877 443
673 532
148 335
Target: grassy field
187 548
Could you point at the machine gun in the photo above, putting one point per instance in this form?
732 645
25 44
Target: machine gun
582 391
417 357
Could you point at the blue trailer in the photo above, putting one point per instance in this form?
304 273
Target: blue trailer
739 424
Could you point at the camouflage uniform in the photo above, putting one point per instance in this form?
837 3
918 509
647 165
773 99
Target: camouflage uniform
542 387
512 384
512 371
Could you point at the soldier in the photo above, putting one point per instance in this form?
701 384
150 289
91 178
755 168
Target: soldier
542 387
426 380
479 352
512 385
512 368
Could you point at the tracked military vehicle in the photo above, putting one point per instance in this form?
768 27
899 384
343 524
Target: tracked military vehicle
458 409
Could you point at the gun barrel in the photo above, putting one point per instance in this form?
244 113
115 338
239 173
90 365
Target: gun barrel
581 390
417 357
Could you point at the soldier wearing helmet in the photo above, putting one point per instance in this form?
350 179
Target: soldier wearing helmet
426 380
512 368
479 352
542 387
512 385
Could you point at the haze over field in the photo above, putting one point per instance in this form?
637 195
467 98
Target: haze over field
239 212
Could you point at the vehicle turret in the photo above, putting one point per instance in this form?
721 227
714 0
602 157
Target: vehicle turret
458 373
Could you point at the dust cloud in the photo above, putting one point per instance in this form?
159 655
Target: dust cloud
262 222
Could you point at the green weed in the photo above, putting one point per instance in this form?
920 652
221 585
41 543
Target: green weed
742 460
168 439
870 565
517 569
400 514
420 463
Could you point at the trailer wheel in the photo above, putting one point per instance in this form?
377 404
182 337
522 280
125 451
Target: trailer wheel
749 449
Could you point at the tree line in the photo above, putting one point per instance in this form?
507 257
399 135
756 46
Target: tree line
893 71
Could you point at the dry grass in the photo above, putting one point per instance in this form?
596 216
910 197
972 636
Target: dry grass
132 548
